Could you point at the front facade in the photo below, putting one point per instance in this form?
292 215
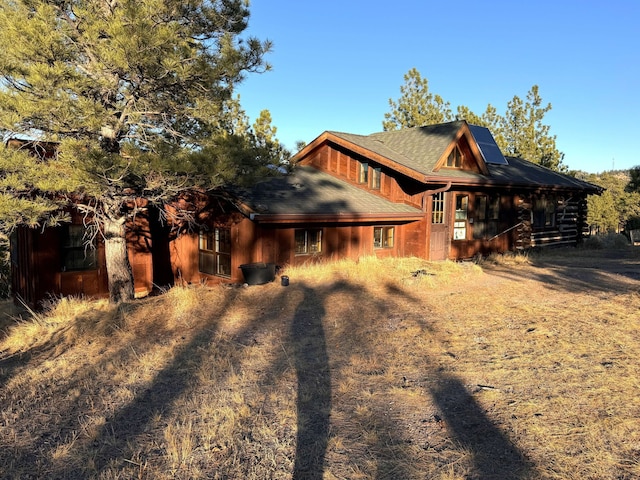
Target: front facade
437 192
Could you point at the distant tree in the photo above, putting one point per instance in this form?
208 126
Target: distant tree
525 134
616 206
417 106
136 93
519 132
634 180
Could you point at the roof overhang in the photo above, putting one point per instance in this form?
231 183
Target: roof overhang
328 137
283 218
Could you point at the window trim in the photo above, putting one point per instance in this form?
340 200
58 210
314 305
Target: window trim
438 208
215 254
461 218
544 211
376 178
385 241
72 244
363 172
308 243
455 158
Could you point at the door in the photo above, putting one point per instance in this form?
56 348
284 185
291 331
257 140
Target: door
439 240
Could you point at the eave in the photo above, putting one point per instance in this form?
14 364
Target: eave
328 137
281 218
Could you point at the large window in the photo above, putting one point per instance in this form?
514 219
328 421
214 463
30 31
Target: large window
78 251
486 216
460 223
215 252
383 237
544 210
437 209
308 241
363 172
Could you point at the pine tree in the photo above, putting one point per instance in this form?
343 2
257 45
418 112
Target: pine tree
137 95
520 132
417 106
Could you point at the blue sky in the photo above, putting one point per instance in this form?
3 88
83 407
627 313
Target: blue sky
336 64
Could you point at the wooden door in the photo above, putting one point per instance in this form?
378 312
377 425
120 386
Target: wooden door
440 227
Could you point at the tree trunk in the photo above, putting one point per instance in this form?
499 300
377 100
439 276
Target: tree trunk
119 271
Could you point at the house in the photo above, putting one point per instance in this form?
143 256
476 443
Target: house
435 192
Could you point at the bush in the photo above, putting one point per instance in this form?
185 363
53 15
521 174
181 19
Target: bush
606 241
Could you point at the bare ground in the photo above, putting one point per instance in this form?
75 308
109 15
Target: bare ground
520 370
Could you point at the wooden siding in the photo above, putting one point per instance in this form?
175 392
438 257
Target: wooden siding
569 226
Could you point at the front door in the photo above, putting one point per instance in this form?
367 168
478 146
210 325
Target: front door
439 240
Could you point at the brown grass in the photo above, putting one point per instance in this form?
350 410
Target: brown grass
512 367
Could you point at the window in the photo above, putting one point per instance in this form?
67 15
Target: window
78 253
308 241
437 210
215 252
375 178
363 172
455 158
486 212
544 210
383 237
460 224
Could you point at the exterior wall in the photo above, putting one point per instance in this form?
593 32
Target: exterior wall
568 227
36 268
37 265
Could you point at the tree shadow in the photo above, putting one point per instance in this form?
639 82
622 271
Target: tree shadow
494 455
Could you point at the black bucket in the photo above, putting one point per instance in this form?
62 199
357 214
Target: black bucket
258 273
284 281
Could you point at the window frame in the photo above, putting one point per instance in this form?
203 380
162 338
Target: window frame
310 245
455 158
363 172
376 178
486 211
438 208
461 218
77 252
383 237
211 247
544 211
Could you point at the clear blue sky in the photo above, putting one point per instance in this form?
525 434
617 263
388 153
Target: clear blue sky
336 64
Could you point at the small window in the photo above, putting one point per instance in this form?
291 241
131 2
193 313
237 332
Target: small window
544 211
460 224
437 210
454 159
78 251
215 252
375 178
363 172
308 242
383 237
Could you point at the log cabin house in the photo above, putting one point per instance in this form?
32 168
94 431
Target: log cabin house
435 192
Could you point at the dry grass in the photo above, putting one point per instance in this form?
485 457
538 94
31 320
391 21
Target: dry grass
513 367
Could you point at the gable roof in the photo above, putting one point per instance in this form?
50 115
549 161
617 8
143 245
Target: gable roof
416 153
309 194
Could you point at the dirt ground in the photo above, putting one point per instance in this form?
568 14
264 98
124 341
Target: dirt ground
514 370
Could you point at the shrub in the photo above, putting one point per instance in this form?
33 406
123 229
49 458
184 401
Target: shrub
606 241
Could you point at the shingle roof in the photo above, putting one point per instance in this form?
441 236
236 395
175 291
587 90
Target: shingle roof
524 173
310 191
418 148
